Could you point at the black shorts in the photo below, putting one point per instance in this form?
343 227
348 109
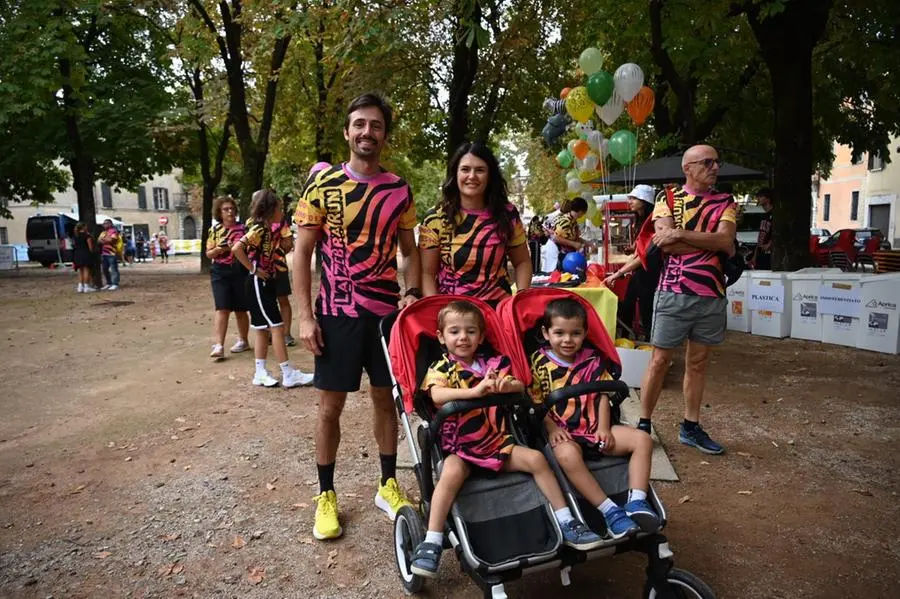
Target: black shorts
229 286
351 345
282 283
264 312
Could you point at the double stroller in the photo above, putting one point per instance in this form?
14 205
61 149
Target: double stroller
500 525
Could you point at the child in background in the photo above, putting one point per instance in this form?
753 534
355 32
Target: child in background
479 437
83 258
581 425
260 244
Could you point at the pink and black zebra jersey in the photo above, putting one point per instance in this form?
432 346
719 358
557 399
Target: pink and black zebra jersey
360 219
479 436
219 234
700 272
579 415
473 254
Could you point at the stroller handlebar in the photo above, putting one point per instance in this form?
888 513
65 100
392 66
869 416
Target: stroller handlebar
618 391
460 406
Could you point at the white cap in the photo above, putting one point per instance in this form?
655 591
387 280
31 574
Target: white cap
643 193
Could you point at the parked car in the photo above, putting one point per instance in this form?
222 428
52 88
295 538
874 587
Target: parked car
50 238
864 235
822 234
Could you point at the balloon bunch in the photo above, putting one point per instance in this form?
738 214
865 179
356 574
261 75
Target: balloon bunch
604 96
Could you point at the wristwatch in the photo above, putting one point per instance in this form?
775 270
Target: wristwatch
413 291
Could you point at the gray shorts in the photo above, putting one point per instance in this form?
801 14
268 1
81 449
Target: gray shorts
679 316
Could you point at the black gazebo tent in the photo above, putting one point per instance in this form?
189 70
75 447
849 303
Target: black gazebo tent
668 170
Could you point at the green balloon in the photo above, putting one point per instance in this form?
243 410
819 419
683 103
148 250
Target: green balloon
600 87
564 159
623 146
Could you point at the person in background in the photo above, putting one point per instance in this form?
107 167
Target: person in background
643 282
141 247
466 240
256 252
566 232
537 237
285 237
130 249
228 277
109 259
83 258
762 255
163 240
690 302
154 247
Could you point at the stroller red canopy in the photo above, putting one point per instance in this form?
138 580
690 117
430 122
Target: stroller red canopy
525 310
421 320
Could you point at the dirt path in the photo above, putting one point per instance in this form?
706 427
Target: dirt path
131 466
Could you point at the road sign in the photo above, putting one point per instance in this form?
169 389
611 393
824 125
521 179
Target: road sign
164 220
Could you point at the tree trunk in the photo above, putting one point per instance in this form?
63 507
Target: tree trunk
786 41
465 67
81 164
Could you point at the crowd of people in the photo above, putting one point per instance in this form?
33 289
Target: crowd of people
110 248
359 217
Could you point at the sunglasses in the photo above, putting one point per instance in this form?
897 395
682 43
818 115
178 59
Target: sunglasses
708 162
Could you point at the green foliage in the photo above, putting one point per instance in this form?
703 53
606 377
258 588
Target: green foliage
94 67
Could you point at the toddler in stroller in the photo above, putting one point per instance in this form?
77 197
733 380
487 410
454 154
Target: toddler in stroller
479 437
582 425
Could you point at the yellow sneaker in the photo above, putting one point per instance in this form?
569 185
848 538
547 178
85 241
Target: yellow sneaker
327 525
390 498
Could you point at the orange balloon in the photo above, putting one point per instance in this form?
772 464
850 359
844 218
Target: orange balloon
640 107
581 149
565 92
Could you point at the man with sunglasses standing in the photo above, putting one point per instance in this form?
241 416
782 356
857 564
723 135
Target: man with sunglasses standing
694 226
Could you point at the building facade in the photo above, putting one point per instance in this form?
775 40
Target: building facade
862 194
162 198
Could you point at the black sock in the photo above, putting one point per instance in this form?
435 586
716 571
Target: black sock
644 424
388 467
689 424
326 477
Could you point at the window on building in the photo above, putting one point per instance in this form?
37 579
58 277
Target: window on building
826 207
876 162
106 195
142 198
160 198
4 236
854 206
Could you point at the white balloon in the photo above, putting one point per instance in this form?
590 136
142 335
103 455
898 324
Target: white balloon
578 163
575 186
594 139
628 80
610 111
604 149
590 162
573 174
587 196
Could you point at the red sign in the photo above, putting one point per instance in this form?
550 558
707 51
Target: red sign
164 220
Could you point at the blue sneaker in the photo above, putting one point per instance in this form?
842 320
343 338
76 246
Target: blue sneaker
426 560
578 536
619 524
698 438
643 515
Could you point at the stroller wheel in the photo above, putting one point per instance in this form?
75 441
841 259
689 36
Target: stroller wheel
408 533
682 585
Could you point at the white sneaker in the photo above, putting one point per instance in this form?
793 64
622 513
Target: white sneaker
296 378
218 352
80 288
240 346
264 379
105 287
113 287
89 289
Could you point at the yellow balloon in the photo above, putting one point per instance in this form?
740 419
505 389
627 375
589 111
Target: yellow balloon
586 176
579 104
597 219
582 219
626 343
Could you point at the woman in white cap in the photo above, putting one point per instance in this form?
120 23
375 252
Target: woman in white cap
643 284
